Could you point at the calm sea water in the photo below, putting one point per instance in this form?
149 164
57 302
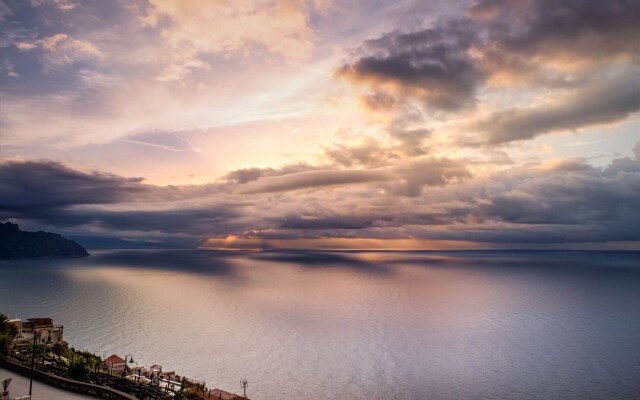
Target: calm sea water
361 325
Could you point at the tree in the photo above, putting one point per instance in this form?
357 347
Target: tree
192 393
78 369
8 332
58 349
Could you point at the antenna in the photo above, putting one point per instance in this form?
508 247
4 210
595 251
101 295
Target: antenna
243 385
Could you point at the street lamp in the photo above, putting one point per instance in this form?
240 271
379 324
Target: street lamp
36 334
124 372
244 383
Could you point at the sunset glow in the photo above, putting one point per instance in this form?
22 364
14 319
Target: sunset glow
321 124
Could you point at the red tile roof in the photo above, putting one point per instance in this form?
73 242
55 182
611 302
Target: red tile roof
113 359
215 394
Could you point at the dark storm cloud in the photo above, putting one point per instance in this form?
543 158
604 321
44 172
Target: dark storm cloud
53 194
539 42
33 184
564 201
190 221
432 64
573 202
333 222
588 29
603 102
568 201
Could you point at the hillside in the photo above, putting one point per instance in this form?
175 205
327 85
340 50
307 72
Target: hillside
15 244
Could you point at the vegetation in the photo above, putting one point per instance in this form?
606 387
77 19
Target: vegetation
192 393
78 369
8 332
84 366
78 362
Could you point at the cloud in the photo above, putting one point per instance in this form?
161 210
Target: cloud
34 184
603 102
560 201
405 137
408 128
242 27
56 195
587 46
406 179
245 175
369 153
566 201
7 69
334 222
64 5
62 50
377 101
186 62
4 11
96 73
313 179
565 165
433 65
575 31
429 172
185 220
256 90
572 202
600 206
164 141
541 42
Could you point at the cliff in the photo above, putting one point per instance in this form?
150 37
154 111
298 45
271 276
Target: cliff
15 243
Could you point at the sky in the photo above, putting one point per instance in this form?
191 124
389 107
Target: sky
323 124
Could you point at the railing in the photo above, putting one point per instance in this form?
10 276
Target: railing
102 392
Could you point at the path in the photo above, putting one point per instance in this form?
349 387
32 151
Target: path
20 387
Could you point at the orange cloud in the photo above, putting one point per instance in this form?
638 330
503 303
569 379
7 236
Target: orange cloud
280 27
257 244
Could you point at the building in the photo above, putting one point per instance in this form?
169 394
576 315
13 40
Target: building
155 370
32 324
18 324
43 328
114 363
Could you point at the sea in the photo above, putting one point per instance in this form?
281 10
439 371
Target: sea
359 325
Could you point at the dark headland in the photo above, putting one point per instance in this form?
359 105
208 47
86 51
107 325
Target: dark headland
16 244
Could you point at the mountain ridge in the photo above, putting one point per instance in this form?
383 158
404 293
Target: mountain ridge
18 244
